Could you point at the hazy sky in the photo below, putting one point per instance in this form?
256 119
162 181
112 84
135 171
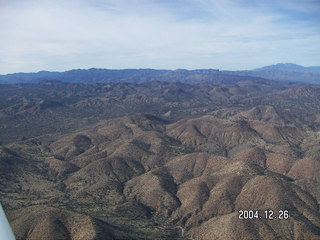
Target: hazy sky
163 34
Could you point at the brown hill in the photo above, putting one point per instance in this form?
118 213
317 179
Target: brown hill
262 113
40 222
140 177
279 163
306 168
302 91
265 193
213 134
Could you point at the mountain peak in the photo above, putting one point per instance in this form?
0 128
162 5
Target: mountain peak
288 67
283 67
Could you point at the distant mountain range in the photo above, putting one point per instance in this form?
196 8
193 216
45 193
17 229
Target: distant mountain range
289 67
277 72
284 72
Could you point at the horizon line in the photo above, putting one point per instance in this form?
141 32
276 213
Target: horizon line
157 69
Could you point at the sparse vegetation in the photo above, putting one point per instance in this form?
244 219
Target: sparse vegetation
96 161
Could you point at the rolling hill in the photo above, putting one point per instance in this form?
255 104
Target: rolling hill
161 159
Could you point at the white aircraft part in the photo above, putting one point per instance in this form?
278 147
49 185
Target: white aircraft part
5 229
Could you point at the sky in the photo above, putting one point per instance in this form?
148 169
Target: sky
59 35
